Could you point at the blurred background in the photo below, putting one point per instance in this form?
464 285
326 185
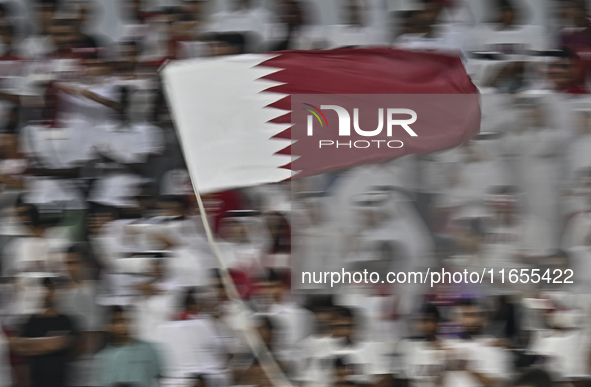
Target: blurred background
106 275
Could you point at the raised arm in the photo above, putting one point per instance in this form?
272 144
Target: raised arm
37 346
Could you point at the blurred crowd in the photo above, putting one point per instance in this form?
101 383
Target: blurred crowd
107 278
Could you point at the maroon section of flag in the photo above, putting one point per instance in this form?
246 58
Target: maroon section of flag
437 89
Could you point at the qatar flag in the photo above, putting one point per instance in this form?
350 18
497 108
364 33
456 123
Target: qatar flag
254 119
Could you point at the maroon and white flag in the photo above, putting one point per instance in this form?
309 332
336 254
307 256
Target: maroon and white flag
254 119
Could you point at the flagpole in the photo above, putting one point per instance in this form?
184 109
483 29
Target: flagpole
260 350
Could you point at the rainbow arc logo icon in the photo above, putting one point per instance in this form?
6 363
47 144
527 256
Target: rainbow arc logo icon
315 112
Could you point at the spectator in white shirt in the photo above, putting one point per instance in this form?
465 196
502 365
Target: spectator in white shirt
423 359
76 299
192 342
157 301
423 33
125 147
535 150
39 252
367 358
57 151
356 28
39 43
474 359
272 299
246 18
506 35
296 28
322 308
142 26
512 238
